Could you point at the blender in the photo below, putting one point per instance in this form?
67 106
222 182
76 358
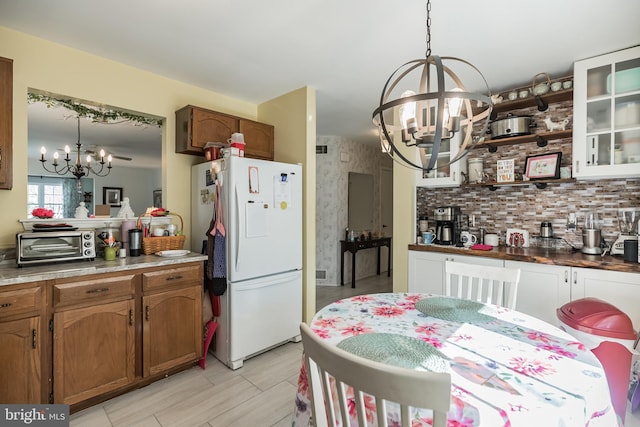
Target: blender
628 224
591 234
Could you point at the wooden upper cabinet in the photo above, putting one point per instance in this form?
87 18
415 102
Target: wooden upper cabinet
259 139
6 123
196 126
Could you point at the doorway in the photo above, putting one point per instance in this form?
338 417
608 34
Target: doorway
386 205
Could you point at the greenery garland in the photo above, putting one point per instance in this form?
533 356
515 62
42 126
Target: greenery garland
95 114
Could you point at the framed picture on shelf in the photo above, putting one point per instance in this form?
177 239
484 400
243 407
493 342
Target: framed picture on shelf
157 198
112 196
505 170
543 166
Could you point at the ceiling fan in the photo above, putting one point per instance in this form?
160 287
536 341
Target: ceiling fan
94 153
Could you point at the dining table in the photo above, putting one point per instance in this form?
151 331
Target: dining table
507 368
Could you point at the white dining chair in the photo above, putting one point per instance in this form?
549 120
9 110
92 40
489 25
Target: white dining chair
330 368
482 283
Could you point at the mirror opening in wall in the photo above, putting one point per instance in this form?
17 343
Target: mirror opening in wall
61 127
360 201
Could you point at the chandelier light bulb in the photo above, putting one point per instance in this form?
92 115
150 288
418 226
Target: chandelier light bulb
101 154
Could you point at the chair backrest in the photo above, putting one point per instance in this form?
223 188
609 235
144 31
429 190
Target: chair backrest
332 372
482 283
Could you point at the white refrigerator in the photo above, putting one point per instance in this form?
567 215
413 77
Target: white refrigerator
262 215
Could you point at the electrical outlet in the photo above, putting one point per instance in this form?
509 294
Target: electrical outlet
572 222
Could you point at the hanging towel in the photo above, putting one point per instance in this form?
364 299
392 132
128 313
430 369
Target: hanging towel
219 249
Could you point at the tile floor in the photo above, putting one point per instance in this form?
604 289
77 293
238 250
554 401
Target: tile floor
261 393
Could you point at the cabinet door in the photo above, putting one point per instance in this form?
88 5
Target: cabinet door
443 175
615 287
259 139
172 329
542 289
93 350
606 130
6 123
426 272
210 126
20 350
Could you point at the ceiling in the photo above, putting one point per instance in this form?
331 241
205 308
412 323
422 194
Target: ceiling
258 50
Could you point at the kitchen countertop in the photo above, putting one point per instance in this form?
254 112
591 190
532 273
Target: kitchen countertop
540 256
11 274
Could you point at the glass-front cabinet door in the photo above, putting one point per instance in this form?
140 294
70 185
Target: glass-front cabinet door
443 174
606 104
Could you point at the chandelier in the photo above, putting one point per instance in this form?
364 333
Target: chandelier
77 169
424 103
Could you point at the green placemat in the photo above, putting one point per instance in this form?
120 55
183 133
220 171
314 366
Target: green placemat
453 309
397 350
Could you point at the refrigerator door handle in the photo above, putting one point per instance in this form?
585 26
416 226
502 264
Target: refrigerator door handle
236 235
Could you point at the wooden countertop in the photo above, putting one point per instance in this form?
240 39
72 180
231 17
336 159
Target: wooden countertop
540 256
11 274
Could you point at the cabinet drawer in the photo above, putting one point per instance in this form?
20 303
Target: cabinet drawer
20 301
96 290
158 279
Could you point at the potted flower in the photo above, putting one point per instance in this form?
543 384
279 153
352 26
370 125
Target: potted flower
42 213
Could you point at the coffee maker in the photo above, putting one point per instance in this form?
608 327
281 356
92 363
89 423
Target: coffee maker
446 227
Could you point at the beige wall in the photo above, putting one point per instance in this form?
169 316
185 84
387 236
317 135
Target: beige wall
294 118
43 65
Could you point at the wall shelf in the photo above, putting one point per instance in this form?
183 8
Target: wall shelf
539 183
540 138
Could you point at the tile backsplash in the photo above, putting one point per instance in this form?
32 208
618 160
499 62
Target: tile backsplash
526 206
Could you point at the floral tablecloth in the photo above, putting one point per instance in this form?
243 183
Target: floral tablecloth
507 368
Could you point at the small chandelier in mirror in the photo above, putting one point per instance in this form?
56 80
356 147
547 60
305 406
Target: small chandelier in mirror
425 104
77 168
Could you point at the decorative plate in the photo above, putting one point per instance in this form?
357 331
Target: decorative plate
173 253
397 350
453 309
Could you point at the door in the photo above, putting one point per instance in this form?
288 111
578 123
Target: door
263 218
263 313
386 209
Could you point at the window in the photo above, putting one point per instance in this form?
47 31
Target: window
43 192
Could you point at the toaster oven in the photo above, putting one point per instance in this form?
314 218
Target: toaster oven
36 247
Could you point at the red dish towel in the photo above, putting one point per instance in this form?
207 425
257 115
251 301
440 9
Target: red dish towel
481 247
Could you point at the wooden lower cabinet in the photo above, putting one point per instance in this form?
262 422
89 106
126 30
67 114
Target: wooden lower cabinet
172 329
93 350
20 360
119 331
22 344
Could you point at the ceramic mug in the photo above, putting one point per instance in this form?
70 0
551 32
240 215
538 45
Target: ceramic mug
556 86
427 238
158 231
491 239
513 96
172 228
109 253
468 239
523 93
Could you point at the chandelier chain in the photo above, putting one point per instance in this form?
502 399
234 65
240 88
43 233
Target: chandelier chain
428 37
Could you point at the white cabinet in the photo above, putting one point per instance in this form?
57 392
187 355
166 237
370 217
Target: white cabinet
545 288
606 121
542 289
441 175
615 287
426 269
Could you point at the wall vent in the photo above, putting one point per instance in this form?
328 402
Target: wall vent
321 149
321 274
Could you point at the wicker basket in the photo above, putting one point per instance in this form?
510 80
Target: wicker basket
152 244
